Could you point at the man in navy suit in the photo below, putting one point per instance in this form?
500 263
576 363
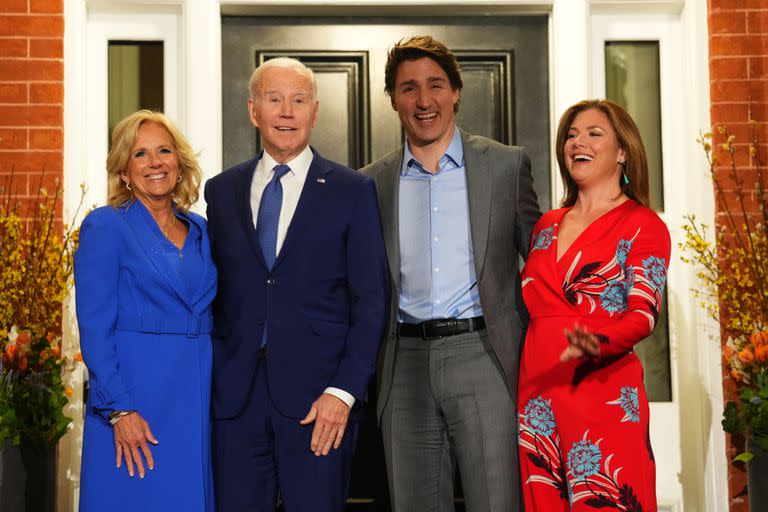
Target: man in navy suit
300 310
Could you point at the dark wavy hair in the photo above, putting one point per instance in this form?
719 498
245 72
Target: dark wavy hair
418 47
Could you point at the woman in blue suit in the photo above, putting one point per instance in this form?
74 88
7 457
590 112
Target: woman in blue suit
144 284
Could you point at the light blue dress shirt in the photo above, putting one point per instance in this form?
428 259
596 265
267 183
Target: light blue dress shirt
437 268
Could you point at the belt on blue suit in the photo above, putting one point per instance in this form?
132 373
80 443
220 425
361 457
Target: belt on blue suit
190 325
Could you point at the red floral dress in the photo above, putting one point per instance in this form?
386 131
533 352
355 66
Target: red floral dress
583 425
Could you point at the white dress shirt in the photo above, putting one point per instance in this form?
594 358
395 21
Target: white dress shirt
292 183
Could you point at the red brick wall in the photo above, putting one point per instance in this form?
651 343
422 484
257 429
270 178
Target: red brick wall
31 93
738 66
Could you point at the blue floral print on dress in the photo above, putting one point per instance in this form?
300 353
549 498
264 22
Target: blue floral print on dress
629 403
593 480
655 270
584 459
538 438
543 239
614 298
539 416
622 250
629 280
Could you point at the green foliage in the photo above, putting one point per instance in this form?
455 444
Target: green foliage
32 401
749 416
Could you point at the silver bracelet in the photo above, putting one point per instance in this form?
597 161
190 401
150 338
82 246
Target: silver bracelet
116 416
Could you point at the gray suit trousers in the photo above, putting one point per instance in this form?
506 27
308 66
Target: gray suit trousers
449 405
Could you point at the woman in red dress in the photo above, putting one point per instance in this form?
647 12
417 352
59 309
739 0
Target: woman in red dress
593 285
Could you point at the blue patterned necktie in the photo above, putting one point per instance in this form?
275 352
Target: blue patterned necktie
269 215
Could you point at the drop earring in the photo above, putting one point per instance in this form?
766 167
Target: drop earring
128 186
624 178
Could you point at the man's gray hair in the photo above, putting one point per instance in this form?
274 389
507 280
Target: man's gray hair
280 62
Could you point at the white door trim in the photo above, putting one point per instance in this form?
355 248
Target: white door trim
690 424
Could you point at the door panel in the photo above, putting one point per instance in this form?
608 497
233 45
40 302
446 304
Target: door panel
504 58
504 64
487 98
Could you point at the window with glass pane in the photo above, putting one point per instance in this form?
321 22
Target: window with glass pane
632 79
135 80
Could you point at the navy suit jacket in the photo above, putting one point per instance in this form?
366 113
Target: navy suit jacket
324 302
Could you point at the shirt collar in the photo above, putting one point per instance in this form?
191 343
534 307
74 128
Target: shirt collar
454 152
299 165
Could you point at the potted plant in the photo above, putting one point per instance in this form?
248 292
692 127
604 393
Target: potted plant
36 257
733 273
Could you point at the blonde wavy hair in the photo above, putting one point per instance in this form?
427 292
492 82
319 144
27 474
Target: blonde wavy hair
124 135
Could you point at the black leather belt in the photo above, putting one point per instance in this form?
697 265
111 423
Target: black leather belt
434 329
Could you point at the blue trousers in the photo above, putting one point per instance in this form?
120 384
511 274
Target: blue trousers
261 452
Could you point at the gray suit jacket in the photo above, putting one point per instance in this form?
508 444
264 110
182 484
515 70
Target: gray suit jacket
502 213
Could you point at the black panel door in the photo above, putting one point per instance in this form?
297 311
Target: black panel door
504 64
504 67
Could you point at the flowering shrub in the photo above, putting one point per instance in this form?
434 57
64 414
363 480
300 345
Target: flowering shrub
35 277
32 393
733 273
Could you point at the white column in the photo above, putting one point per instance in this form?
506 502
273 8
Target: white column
570 67
75 153
707 488
201 78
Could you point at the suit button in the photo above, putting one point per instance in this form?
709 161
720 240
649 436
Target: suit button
271 281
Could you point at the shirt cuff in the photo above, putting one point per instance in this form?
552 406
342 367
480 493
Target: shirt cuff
341 395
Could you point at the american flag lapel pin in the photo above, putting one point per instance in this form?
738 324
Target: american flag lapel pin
321 180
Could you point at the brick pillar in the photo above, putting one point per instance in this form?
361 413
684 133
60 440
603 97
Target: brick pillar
31 94
738 67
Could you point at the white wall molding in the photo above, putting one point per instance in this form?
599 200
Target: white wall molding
706 488
637 6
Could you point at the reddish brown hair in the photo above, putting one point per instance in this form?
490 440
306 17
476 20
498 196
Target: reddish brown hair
628 137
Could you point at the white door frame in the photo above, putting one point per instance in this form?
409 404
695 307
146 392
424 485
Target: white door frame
193 97
666 434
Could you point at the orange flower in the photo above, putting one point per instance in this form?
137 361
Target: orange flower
56 351
68 391
746 356
10 351
761 353
735 375
78 357
23 338
759 338
727 353
23 364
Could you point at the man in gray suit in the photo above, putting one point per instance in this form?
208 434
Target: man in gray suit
457 210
